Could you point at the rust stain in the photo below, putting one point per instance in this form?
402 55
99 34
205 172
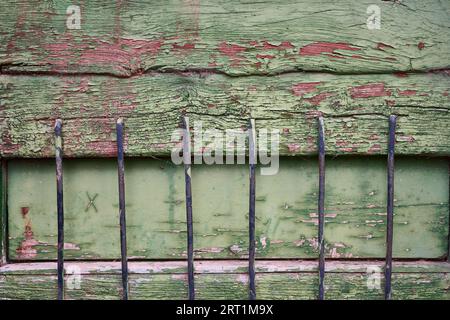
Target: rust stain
401 74
26 248
24 211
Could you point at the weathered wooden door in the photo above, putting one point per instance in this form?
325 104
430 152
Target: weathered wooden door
221 64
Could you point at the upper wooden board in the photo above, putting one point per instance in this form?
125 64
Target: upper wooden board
234 37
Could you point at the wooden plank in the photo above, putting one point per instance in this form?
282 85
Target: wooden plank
286 280
236 38
286 225
356 109
222 267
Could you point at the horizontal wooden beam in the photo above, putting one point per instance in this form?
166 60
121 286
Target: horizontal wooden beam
222 267
127 38
227 280
355 108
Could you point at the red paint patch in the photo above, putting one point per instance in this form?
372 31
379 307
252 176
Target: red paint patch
317 99
369 91
341 143
407 92
445 94
231 50
300 89
26 248
374 149
421 45
123 52
401 74
318 48
186 46
8 146
24 211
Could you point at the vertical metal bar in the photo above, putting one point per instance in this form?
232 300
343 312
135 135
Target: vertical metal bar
190 228
321 205
390 208
448 242
60 207
251 215
3 218
123 226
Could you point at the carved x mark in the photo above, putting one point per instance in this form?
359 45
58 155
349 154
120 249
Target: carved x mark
91 202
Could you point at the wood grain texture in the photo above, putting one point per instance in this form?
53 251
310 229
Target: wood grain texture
234 37
356 110
226 280
286 209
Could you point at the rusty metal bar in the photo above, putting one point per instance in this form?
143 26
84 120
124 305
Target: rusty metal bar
321 205
190 228
3 215
123 226
60 207
390 208
448 242
251 214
